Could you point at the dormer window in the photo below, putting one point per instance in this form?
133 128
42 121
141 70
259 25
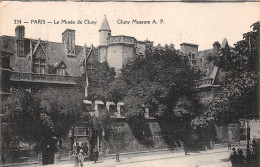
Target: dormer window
61 68
39 61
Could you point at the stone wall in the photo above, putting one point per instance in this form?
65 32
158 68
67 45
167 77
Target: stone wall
228 133
254 129
186 49
114 56
128 53
102 53
129 142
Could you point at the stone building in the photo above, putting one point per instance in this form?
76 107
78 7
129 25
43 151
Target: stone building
117 50
212 79
32 64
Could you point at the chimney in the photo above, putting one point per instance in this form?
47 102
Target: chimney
68 39
19 32
216 47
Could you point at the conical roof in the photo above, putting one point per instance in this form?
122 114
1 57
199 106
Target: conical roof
224 43
105 25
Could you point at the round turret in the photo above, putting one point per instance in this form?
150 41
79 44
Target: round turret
104 32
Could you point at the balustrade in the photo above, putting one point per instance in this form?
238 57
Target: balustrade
203 82
48 78
121 39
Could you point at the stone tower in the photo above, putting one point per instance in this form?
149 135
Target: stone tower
104 35
117 50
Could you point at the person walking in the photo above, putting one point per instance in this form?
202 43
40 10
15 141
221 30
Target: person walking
81 158
233 157
76 155
229 145
85 149
241 160
95 151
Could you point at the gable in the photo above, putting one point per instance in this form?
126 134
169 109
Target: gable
39 53
92 57
60 64
52 52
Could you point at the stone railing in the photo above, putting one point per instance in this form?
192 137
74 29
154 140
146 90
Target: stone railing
46 78
203 82
122 39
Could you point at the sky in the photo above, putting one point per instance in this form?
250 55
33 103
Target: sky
199 23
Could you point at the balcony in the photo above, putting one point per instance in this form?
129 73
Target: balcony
44 78
204 82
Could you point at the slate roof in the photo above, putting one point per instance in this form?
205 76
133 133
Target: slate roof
192 44
7 45
105 25
54 51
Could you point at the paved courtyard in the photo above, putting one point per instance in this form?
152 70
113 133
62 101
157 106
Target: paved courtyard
211 158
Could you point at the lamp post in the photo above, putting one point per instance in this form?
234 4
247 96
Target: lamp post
247 136
117 146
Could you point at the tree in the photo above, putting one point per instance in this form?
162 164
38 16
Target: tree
163 81
237 99
99 81
158 80
50 112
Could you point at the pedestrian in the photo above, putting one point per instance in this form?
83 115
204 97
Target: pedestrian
85 149
241 160
233 157
185 148
229 145
81 158
95 151
76 155
78 148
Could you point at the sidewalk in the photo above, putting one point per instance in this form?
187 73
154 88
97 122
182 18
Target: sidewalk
126 160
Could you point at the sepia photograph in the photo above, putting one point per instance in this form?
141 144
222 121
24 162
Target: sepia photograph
129 84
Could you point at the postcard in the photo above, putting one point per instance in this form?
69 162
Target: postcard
134 83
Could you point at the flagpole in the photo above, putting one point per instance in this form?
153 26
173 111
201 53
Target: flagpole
86 71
